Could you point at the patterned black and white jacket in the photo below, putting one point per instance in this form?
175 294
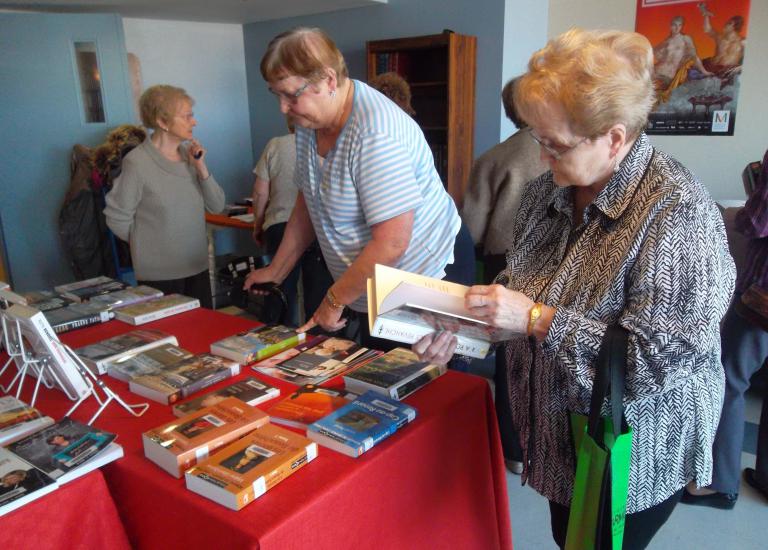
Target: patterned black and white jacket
650 254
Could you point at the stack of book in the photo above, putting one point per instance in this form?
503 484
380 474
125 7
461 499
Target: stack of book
17 419
257 343
21 482
158 308
97 356
82 291
127 296
181 443
78 315
308 404
356 427
249 390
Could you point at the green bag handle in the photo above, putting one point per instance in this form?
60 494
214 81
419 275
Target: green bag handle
610 375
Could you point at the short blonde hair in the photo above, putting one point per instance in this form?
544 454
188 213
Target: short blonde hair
161 102
600 78
304 51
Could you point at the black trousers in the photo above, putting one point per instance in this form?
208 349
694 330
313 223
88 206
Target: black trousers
196 286
639 528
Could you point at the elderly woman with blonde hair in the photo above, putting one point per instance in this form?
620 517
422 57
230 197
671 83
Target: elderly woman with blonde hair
158 202
368 188
616 232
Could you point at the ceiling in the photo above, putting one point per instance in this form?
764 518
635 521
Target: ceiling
219 11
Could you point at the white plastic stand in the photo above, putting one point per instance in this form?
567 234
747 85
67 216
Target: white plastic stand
24 359
108 395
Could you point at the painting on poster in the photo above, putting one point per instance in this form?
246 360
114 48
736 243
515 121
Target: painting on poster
698 52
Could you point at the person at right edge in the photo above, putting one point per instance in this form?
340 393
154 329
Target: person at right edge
616 232
745 348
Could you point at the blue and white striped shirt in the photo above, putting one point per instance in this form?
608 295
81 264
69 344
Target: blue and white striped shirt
379 168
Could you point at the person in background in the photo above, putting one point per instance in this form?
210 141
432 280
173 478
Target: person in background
616 232
368 188
745 348
495 184
395 88
158 202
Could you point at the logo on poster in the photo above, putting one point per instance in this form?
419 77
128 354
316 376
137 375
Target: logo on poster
720 120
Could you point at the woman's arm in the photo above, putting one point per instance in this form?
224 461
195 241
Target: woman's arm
260 200
123 199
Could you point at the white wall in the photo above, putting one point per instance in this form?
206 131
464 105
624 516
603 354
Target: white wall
208 60
716 161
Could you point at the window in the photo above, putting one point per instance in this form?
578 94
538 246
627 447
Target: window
89 78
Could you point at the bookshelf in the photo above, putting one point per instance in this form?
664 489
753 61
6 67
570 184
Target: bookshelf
440 70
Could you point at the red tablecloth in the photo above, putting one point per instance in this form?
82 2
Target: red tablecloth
440 482
80 514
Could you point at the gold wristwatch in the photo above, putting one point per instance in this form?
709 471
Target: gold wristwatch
533 316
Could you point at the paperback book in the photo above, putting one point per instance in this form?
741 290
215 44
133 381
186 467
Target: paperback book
405 306
356 427
257 343
45 300
82 291
21 482
159 308
184 378
17 419
67 449
328 358
249 390
308 404
396 374
246 469
182 443
128 296
78 315
96 356
148 361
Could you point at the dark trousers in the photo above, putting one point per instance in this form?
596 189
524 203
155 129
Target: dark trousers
744 348
639 528
510 441
315 278
462 270
196 286
272 237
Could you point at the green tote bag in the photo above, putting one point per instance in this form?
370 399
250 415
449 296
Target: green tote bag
603 448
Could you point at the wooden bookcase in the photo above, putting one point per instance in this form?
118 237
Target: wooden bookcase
440 69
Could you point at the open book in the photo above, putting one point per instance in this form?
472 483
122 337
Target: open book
404 306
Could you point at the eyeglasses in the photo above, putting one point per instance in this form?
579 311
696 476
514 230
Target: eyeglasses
555 152
292 98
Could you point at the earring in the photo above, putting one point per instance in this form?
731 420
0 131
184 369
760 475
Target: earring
333 94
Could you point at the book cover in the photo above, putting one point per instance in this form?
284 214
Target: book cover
356 427
45 300
63 447
183 442
17 419
308 404
159 308
405 306
397 374
77 315
44 342
249 390
328 358
246 469
21 482
269 367
257 343
127 296
82 291
148 361
184 378
95 356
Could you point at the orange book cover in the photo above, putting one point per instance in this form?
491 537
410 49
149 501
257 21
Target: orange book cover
246 469
308 404
185 441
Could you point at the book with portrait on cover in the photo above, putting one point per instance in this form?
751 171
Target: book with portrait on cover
257 343
21 482
247 468
405 306
249 389
183 442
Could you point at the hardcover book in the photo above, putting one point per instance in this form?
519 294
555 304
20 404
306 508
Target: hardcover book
184 378
148 361
20 482
182 443
128 296
67 449
96 356
78 315
308 404
17 419
44 342
257 343
249 390
405 306
82 291
159 308
356 427
396 374
246 469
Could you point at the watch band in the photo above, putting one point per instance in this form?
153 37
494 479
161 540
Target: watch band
331 297
533 316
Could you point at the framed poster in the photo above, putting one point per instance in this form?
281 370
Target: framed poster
698 50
